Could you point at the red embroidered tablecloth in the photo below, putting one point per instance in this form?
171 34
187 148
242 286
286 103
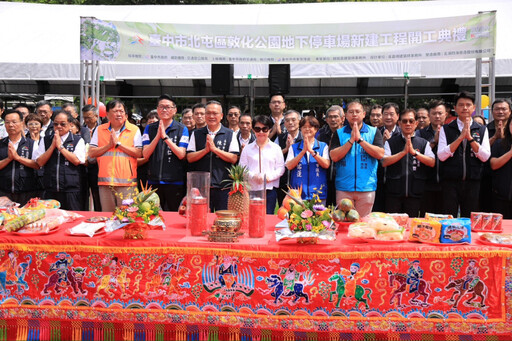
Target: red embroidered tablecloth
175 286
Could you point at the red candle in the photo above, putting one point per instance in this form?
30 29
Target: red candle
257 213
198 216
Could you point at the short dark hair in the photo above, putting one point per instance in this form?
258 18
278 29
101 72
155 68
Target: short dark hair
68 105
235 107
1 104
408 110
276 94
113 103
311 120
33 117
391 105
502 100
42 103
167 97
62 112
12 111
464 94
435 103
76 123
263 119
89 107
198 105
246 114
376 106
152 114
22 105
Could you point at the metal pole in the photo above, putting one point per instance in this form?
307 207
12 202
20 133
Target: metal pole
478 86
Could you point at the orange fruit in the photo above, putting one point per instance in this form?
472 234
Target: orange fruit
282 213
286 203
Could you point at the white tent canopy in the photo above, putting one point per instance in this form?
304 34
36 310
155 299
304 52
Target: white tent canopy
41 42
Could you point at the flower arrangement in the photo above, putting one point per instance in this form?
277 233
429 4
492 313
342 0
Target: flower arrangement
308 220
137 214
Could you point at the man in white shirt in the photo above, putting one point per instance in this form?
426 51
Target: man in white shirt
462 151
61 154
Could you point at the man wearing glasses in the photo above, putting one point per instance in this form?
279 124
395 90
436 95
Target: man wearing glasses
17 164
214 149
116 145
44 110
335 117
405 158
234 118
356 148
165 145
277 106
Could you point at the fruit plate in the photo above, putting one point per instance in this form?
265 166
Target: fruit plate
343 225
36 233
482 240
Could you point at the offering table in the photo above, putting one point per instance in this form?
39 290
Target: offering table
174 286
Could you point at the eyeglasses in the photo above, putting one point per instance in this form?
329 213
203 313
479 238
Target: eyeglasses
276 102
232 115
62 124
166 107
260 129
12 122
408 121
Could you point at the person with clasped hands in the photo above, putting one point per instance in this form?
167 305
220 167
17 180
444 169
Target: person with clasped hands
463 149
264 161
356 149
116 145
501 164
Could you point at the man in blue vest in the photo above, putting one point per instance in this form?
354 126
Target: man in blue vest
406 158
214 149
165 144
356 149
463 149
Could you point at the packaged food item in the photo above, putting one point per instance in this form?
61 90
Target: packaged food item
27 217
383 224
497 219
390 235
476 221
361 230
455 231
402 219
425 230
438 216
37 204
486 222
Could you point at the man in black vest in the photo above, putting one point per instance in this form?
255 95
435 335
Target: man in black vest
61 154
165 145
390 128
432 198
19 182
335 117
214 149
405 158
463 149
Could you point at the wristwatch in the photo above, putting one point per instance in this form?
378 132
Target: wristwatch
61 147
360 140
165 138
118 144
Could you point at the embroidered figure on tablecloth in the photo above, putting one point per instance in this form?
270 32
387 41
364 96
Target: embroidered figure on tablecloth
470 283
117 278
352 289
417 285
224 277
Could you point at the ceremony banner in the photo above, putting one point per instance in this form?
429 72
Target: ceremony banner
462 37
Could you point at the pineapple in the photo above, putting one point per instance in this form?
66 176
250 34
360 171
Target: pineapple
239 195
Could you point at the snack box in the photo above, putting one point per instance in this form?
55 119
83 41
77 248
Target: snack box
425 230
455 231
486 222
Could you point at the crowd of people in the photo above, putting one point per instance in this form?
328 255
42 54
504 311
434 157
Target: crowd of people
382 158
